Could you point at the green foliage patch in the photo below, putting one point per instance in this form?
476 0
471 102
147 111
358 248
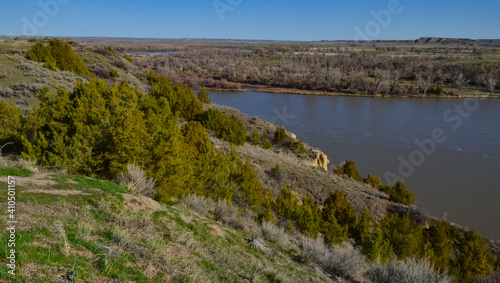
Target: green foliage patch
15 172
58 55
105 186
229 128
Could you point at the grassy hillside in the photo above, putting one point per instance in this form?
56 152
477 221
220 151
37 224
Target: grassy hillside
75 229
22 79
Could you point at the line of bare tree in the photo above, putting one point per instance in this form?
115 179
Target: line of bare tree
337 70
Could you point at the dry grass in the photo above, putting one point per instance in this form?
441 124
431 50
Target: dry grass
227 214
272 233
13 161
410 271
343 260
135 180
199 204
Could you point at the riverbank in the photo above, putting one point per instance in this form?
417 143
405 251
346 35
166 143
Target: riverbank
280 90
376 132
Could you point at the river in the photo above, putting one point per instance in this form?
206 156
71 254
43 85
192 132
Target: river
447 151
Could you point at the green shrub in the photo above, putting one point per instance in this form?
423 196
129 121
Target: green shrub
181 99
339 218
404 235
298 147
113 73
203 96
475 259
287 205
11 121
309 217
436 89
228 128
60 55
40 53
197 138
128 58
372 181
267 144
276 169
280 134
349 169
370 238
399 193
254 137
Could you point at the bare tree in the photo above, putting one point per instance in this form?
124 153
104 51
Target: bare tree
424 81
460 81
491 83
393 80
379 77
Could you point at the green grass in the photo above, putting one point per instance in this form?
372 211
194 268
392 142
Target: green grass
15 172
274 63
105 186
104 242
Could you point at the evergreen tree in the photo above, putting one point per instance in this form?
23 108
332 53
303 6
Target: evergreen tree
42 54
218 185
436 234
228 128
349 169
309 217
404 235
66 59
170 165
197 138
372 181
339 218
474 258
11 120
254 137
203 96
287 205
401 194
333 232
398 193
337 203
280 135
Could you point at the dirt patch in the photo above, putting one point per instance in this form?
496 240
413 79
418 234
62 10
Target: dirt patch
34 271
151 271
56 192
186 218
136 203
217 231
37 180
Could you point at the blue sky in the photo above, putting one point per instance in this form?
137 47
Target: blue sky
253 19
